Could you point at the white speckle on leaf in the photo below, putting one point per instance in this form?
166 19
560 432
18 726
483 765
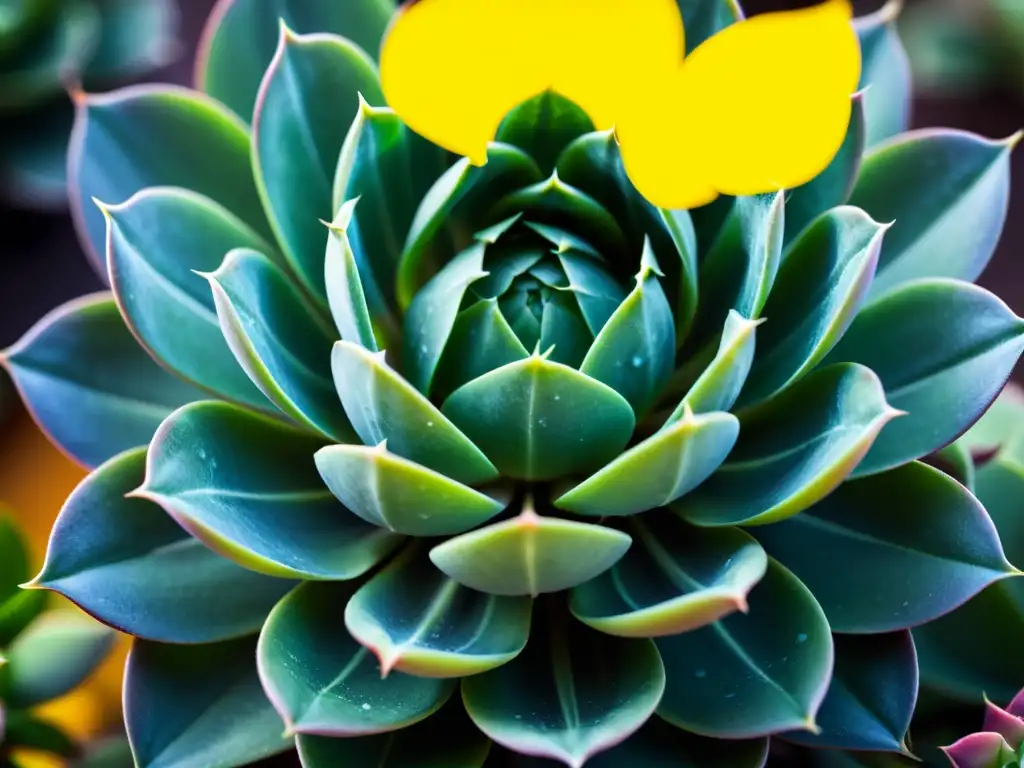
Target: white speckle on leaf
367 707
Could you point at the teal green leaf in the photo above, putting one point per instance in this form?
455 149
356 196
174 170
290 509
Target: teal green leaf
704 18
563 331
677 578
135 36
418 621
198 705
127 563
947 193
156 242
658 470
247 487
18 607
58 651
322 682
149 136
401 495
831 187
537 419
459 199
794 449
660 745
572 693
447 739
383 406
635 350
955 460
885 74
913 542
279 340
1000 428
117 405
346 295
543 126
819 289
999 485
240 38
752 674
967 343
597 293
871 697
297 185
530 554
26 731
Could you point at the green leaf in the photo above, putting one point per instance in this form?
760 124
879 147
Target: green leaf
530 554
281 342
25 731
127 563
543 126
383 406
704 18
658 470
967 342
955 460
56 653
401 495
198 705
346 295
679 578
148 136
794 449
135 37
117 405
752 674
18 607
156 242
660 745
1000 428
458 199
447 739
871 697
819 289
247 487
947 193
999 485
572 693
885 74
537 419
297 135
418 621
831 187
241 36
322 682
913 542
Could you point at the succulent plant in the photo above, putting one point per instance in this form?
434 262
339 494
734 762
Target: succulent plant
1000 743
43 655
49 46
415 462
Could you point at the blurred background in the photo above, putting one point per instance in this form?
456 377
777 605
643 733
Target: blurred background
968 60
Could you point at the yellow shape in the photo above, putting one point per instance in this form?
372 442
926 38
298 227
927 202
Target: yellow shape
761 106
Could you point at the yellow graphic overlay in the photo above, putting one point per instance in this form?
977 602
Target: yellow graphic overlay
761 106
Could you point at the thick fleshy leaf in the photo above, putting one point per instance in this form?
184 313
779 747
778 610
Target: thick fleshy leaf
871 697
281 343
885 74
572 693
56 653
999 484
657 471
117 405
18 607
981 750
794 449
247 487
417 620
383 406
135 36
322 682
447 739
346 293
401 495
913 542
677 578
661 745
819 289
530 554
148 136
955 460
537 419
127 563
1004 721
543 126
967 342
752 674
291 112
156 242
241 36
198 705
947 193
704 18
1000 425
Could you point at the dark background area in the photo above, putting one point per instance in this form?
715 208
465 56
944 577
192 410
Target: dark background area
43 265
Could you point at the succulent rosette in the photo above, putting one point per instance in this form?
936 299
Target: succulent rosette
410 461
1000 743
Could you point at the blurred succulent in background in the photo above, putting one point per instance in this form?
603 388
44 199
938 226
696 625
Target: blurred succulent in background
645 485
43 655
999 744
49 46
